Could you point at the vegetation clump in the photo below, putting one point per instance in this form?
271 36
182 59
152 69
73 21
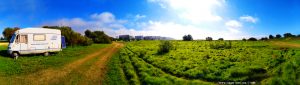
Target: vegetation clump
165 47
98 36
187 37
72 38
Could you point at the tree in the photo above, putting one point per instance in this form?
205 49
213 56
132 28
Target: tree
88 33
187 37
298 35
72 38
221 39
271 37
278 36
244 39
98 36
1 38
252 39
8 32
286 35
264 38
208 38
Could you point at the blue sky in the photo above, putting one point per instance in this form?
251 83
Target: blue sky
230 19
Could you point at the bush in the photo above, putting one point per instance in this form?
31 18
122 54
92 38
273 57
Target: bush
208 38
264 38
72 38
221 45
271 37
221 39
98 36
187 37
278 36
165 47
252 39
244 39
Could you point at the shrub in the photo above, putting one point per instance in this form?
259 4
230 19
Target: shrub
244 39
221 39
98 36
72 38
187 37
165 47
271 37
208 38
264 38
278 36
252 39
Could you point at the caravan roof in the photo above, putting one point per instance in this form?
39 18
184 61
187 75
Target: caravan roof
38 30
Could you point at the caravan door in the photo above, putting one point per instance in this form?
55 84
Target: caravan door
23 40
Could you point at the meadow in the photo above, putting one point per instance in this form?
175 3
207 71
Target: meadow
13 71
208 62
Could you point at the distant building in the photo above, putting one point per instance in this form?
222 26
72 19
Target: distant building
129 38
139 37
126 37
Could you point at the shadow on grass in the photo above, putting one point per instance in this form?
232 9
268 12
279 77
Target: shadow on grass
3 53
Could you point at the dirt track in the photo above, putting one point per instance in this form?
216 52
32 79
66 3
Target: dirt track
69 74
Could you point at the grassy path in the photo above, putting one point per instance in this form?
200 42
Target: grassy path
87 70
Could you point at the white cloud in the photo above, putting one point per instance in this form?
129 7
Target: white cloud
138 16
113 27
195 11
105 17
248 19
233 26
105 20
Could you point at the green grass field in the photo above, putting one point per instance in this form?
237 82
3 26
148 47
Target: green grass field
27 64
207 62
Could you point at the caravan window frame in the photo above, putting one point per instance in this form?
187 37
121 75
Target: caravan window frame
38 39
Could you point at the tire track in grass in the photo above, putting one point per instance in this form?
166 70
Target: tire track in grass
77 74
55 75
95 74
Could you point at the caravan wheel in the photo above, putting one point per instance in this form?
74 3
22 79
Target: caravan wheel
46 54
15 55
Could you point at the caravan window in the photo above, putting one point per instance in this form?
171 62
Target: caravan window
17 39
39 37
23 39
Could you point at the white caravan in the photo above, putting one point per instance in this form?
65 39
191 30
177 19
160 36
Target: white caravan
34 41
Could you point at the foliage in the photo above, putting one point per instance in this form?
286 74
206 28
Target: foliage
98 36
264 38
72 38
244 39
8 32
187 37
2 38
196 60
221 45
271 37
165 47
252 39
221 39
278 36
208 38
287 35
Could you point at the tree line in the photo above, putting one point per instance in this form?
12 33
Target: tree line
277 36
72 38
